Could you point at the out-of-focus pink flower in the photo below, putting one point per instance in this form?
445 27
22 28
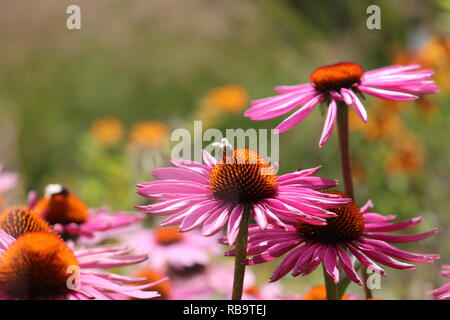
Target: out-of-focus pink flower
220 279
167 247
178 288
70 216
39 265
342 82
8 180
443 293
365 234
210 194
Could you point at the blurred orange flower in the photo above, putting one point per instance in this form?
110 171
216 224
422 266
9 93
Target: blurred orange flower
435 54
229 98
384 121
358 170
319 292
151 134
107 131
407 157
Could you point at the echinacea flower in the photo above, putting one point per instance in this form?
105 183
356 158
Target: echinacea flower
70 216
443 293
342 82
8 180
37 264
353 232
206 195
170 248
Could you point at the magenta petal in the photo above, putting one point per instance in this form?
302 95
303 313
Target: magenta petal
401 238
259 216
389 227
299 115
387 94
216 221
399 253
198 215
384 258
365 260
178 174
233 223
287 264
295 88
347 265
330 263
273 252
329 123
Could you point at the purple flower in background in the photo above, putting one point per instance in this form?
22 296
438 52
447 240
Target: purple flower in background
8 180
168 247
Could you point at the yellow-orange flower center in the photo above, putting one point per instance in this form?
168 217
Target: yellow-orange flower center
337 76
62 208
17 221
244 179
348 225
168 235
36 266
164 288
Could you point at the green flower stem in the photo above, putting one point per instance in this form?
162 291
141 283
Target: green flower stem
241 255
342 123
330 286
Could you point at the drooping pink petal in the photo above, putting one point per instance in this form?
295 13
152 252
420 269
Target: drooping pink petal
329 123
287 264
401 238
330 263
299 115
389 227
234 223
347 265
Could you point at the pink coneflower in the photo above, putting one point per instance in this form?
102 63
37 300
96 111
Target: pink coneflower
36 264
443 293
71 217
208 194
39 265
354 231
8 180
342 82
170 248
